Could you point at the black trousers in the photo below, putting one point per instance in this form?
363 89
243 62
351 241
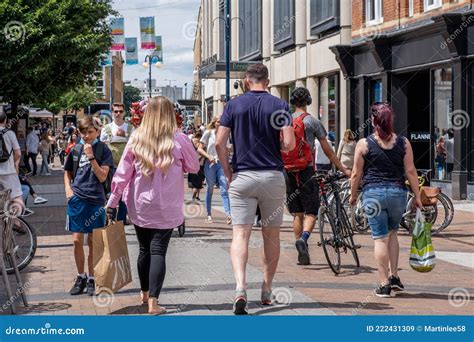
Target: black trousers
32 156
152 258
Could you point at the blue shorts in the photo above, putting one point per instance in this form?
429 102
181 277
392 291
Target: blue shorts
384 207
83 217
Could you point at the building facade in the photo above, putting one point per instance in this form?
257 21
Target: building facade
291 37
173 92
419 56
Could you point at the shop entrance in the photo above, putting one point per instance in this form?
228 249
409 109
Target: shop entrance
411 102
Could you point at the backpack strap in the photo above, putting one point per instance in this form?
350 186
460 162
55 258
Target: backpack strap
99 151
76 158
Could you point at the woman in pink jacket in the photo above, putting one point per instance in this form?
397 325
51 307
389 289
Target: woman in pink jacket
150 179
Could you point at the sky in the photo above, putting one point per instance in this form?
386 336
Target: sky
176 22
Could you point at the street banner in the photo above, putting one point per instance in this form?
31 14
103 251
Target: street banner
118 34
158 53
131 51
106 60
147 33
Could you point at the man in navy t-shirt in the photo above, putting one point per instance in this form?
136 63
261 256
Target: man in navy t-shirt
261 128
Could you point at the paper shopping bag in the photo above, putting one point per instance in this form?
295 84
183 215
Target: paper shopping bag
111 261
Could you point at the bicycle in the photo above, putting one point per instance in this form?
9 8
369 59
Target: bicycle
25 242
334 228
359 223
440 215
23 236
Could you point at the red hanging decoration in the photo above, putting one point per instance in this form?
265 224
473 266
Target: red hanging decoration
137 110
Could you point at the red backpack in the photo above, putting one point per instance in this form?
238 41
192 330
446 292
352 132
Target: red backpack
301 156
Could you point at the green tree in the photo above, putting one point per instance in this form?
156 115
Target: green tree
130 94
74 100
50 47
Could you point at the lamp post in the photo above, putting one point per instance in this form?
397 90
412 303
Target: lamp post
149 60
228 38
186 91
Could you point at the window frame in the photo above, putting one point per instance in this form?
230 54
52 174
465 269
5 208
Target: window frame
378 12
327 24
221 54
288 41
257 53
436 4
411 8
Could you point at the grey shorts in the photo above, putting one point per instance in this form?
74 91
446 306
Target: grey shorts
250 189
11 182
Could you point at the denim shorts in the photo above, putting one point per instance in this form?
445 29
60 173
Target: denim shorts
83 217
384 207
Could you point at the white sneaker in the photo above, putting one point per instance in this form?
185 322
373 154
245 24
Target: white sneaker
27 212
209 219
40 200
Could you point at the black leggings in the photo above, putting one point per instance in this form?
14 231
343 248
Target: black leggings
152 258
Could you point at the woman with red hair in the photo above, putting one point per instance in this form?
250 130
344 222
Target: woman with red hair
383 161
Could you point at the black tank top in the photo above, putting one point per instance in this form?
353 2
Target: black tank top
384 167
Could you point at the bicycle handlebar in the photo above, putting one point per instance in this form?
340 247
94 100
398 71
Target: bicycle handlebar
326 176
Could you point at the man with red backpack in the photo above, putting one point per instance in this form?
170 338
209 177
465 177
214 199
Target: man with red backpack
302 194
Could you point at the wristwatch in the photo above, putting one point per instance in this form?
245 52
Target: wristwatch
91 159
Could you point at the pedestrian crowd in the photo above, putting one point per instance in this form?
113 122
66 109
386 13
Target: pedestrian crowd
259 154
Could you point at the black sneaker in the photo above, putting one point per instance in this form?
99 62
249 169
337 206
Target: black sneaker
303 254
240 303
91 287
79 286
396 284
383 291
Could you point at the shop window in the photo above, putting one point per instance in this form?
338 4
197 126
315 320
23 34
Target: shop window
443 141
375 91
328 107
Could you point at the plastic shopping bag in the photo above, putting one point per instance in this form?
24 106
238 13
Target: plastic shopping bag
422 255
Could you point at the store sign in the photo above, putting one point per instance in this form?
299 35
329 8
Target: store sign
420 136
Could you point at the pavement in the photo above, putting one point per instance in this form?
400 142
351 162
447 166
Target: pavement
200 281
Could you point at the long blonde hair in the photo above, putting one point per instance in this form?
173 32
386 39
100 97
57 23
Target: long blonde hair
153 143
213 123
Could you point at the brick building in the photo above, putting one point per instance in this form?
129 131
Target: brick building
419 56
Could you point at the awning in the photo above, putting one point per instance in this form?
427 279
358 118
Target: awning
42 114
216 70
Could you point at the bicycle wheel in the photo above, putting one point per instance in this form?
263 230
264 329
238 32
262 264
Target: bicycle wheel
444 214
24 237
348 237
361 224
326 231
